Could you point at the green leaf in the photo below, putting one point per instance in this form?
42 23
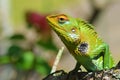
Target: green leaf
17 37
14 50
4 60
26 61
42 66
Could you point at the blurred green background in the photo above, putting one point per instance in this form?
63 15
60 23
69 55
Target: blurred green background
43 6
28 46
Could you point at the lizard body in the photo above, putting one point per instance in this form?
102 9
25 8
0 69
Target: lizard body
82 41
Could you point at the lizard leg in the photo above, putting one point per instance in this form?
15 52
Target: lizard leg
103 50
107 58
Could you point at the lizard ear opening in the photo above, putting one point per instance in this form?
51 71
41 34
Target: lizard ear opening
83 47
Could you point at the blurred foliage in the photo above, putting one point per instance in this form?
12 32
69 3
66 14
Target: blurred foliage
17 37
24 58
41 66
14 51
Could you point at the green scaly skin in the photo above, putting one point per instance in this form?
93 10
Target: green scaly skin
82 42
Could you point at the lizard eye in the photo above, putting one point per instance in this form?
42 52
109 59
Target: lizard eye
62 19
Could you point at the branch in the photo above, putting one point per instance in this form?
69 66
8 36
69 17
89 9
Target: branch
111 74
57 60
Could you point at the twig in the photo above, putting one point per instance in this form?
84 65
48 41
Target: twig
57 60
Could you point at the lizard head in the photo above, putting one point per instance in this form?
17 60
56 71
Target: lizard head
66 28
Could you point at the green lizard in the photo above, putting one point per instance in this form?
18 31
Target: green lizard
82 42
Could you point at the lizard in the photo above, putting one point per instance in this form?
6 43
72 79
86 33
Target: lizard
82 41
